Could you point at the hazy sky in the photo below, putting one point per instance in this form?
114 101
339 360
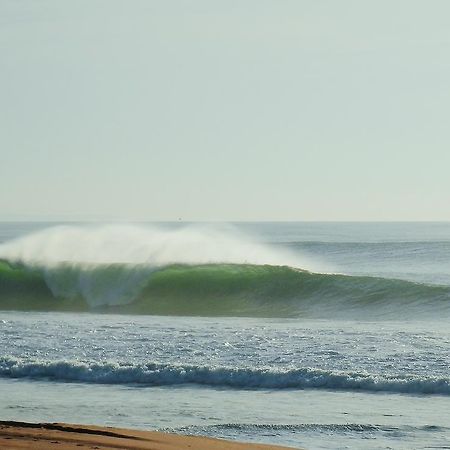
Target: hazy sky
225 110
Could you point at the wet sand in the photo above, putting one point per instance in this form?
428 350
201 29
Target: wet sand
48 436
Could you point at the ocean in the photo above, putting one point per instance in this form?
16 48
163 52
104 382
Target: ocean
310 335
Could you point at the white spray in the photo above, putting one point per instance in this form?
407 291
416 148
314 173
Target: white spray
142 249
151 245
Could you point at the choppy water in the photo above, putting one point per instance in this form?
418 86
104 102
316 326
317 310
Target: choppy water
312 335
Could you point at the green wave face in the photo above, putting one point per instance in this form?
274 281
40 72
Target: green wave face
25 289
214 290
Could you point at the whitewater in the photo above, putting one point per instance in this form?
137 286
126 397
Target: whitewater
314 335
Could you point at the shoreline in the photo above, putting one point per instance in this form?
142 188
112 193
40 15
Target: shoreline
62 436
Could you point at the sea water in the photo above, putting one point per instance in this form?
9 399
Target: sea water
313 335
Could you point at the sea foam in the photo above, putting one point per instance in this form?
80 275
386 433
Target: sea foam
157 374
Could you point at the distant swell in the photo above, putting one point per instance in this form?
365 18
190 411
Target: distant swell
215 290
155 374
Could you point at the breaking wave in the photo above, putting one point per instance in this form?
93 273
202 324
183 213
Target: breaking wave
214 290
156 374
192 271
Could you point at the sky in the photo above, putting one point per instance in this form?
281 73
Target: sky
228 110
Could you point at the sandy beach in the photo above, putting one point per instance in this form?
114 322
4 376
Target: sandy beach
18 435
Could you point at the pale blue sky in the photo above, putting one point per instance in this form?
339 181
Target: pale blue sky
225 110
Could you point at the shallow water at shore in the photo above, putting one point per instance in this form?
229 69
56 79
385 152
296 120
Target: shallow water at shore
326 412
